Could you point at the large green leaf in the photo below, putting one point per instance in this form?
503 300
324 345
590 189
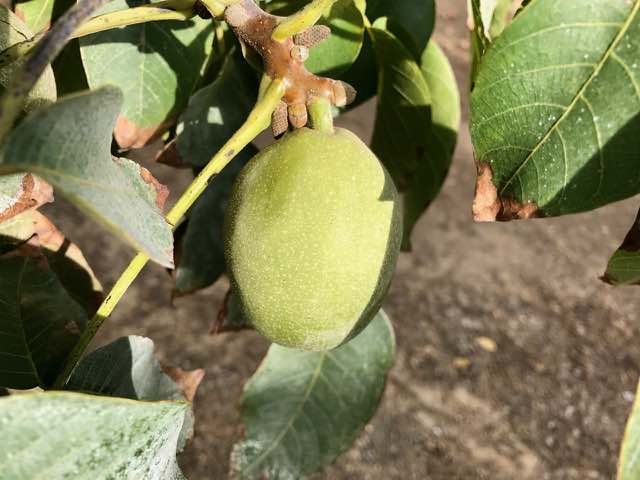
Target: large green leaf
12 31
629 461
624 265
64 257
67 435
157 65
417 17
128 368
68 144
39 325
413 137
38 15
20 192
340 50
303 409
557 130
216 112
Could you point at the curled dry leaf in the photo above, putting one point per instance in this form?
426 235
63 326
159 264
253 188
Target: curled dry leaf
24 191
489 206
187 381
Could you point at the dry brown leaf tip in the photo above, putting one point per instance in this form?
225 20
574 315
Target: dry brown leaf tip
489 206
34 192
187 381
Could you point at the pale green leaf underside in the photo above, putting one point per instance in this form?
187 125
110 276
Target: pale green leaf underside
156 64
68 144
39 323
301 410
67 435
629 462
128 368
555 111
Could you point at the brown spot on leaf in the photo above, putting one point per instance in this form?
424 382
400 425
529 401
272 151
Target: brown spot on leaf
489 206
187 381
129 135
162 191
34 193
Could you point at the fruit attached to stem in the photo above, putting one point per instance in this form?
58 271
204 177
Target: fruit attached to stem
312 236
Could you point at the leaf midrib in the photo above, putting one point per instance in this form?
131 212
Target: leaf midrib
278 439
605 57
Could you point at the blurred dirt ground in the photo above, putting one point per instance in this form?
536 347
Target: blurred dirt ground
514 360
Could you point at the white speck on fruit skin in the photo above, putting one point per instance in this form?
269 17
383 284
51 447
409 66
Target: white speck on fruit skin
313 233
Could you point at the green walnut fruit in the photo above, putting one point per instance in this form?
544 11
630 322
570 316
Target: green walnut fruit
312 235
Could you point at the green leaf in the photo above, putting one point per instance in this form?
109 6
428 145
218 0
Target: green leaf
64 257
417 17
624 265
415 131
301 410
68 435
12 31
20 192
40 322
557 131
157 65
216 112
127 368
68 144
628 464
336 54
39 14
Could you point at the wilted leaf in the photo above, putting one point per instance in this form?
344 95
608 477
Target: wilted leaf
301 410
68 144
628 464
20 192
64 257
413 141
557 130
12 31
40 323
128 368
68 435
417 17
157 65
624 265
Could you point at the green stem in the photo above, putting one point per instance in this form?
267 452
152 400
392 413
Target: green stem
301 20
321 114
258 120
